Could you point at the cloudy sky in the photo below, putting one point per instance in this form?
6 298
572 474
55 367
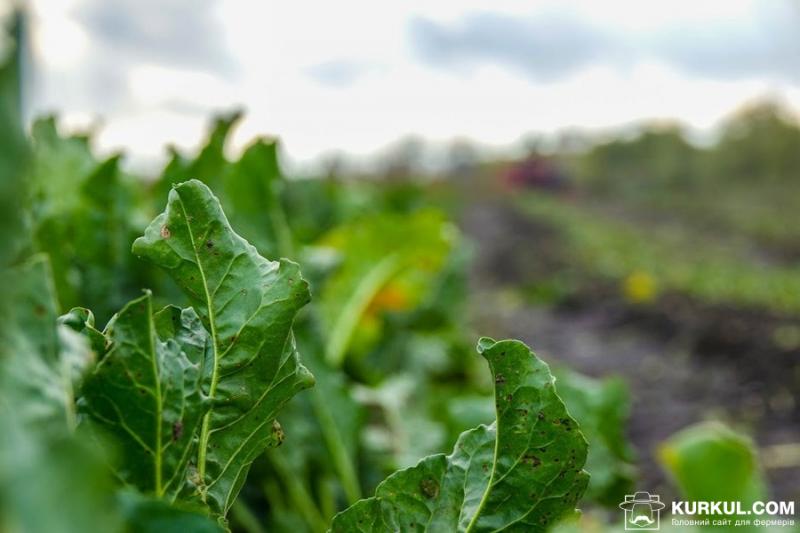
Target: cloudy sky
357 75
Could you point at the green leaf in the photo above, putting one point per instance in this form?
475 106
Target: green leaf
397 256
43 360
40 457
147 392
102 229
325 424
522 473
711 462
53 483
210 165
248 305
61 165
148 515
252 195
15 153
601 407
87 234
81 320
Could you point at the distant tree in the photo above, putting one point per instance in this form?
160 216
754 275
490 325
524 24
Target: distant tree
462 157
761 142
657 157
405 158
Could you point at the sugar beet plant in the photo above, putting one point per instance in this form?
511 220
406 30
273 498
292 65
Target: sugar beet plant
190 396
193 393
155 421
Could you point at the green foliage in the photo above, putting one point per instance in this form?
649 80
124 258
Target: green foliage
247 304
44 361
760 143
656 158
15 153
147 391
603 247
253 190
167 413
712 462
41 456
85 215
209 166
602 409
149 515
521 474
388 262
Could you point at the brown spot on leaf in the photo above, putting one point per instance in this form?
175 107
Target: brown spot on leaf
277 433
532 460
429 487
177 430
165 233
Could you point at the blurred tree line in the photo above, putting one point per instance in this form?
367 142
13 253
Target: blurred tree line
760 145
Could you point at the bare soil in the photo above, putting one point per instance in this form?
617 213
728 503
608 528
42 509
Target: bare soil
685 361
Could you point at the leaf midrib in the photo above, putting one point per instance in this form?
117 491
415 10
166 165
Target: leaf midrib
488 489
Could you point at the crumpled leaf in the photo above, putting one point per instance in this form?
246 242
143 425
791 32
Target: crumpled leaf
522 473
248 305
147 392
81 320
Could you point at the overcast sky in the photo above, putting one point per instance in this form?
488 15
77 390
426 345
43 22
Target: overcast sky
357 75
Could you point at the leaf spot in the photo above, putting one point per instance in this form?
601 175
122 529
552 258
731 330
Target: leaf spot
429 487
532 460
177 430
277 433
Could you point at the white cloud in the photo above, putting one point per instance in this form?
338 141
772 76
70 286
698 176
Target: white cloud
343 75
